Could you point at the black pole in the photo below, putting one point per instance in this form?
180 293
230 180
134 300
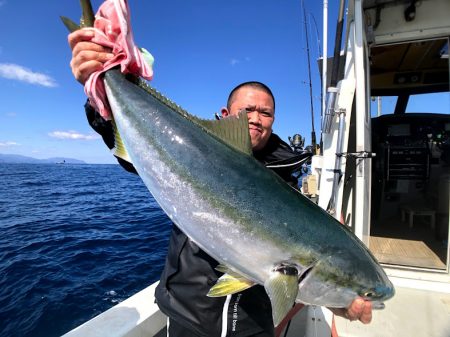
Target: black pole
337 45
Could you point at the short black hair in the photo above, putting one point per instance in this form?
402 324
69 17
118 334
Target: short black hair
252 84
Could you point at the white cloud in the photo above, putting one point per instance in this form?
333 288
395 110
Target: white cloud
72 135
233 62
8 144
11 114
2 3
19 73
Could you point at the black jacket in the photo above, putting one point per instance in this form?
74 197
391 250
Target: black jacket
189 272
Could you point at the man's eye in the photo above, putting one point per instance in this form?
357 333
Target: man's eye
266 114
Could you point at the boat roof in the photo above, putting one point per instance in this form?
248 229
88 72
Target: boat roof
408 55
375 3
410 68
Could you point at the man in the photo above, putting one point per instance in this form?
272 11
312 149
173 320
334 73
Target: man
189 272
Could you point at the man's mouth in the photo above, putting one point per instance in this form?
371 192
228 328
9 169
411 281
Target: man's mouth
255 130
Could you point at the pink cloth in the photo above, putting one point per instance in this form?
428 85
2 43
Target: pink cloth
112 29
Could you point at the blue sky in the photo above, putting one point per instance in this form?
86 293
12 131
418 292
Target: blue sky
202 49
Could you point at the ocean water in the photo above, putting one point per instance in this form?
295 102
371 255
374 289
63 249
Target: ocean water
74 241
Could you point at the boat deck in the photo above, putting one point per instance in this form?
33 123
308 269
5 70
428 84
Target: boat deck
393 242
411 312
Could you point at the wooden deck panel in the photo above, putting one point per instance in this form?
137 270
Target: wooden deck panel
404 252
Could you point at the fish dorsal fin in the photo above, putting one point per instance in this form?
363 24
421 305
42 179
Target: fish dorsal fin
229 283
119 149
282 289
232 130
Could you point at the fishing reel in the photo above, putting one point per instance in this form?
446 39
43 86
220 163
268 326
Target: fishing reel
297 142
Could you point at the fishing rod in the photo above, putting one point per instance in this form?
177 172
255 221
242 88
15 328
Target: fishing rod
324 70
313 132
322 88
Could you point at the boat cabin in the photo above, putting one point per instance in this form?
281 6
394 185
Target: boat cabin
385 168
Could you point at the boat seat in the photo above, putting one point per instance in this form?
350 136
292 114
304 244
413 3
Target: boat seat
418 211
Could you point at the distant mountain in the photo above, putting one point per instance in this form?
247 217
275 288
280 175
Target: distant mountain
18 159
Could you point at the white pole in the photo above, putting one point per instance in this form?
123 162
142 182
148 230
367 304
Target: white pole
378 106
324 56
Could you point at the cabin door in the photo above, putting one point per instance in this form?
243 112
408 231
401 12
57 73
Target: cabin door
411 139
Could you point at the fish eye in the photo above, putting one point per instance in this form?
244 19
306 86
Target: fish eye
368 294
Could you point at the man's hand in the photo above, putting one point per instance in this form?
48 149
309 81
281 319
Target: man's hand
358 310
87 56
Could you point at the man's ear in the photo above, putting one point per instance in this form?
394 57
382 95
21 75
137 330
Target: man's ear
224 112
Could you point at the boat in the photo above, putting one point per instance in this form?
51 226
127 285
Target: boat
384 175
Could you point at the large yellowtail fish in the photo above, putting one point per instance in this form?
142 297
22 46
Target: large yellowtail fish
203 175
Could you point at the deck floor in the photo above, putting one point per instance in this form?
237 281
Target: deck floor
404 252
393 242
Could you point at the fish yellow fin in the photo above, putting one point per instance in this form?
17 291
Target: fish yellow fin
226 270
282 289
222 268
87 19
70 25
88 16
232 130
229 284
119 149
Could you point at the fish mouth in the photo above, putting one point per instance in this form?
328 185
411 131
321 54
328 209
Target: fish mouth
376 305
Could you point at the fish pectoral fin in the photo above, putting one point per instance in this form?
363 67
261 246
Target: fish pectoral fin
119 149
282 290
229 284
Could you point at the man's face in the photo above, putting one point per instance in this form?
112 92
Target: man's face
260 113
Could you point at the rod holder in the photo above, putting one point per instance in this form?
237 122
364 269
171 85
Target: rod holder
330 110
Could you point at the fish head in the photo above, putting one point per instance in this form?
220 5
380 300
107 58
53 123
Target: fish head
335 283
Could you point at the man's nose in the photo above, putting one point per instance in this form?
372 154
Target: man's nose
253 117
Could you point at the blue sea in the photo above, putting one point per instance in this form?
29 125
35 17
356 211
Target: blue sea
74 241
